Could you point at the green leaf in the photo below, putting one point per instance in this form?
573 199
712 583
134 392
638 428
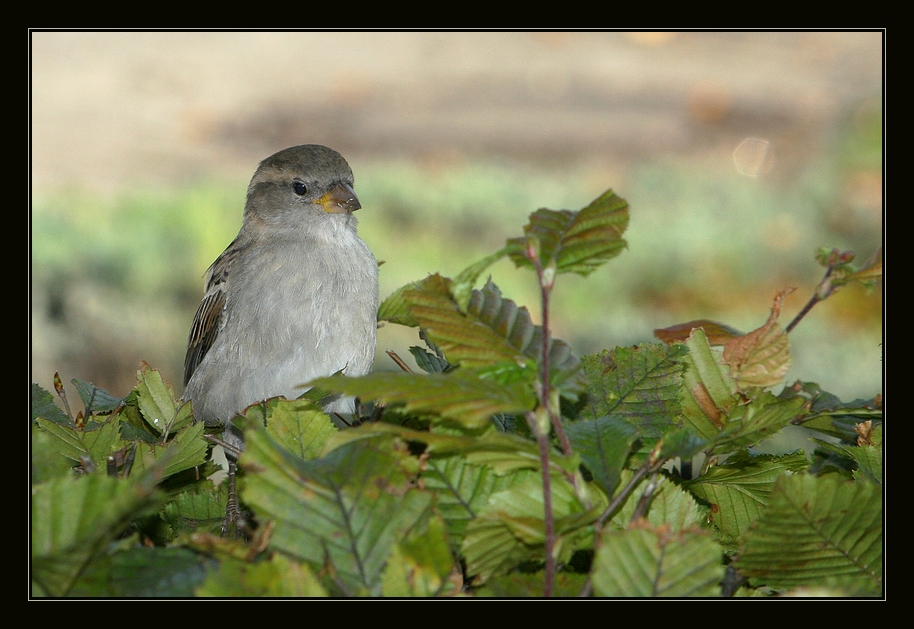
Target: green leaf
144 573
526 585
67 441
464 282
463 338
747 424
460 395
640 384
510 529
513 324
738 490
648 561
73 518
201 508
490 331
815 529
185 451
101 442
277 577
422 565
94 399
670 506
462 489
427 361
299 426
43 406
503 452
828 414
708 391
574 242
603 445
869 456
46 461
394 308
155 399
347 509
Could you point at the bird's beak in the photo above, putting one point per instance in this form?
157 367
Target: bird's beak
340 200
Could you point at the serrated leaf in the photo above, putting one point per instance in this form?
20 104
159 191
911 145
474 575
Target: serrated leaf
491 330
422 565
574 242
184 417
641 384
66 440
511 529
869 461
43 406
816 528
464 281
760 358
46 462
155 399
670 506
603 445
101 442
748 424
297 425
524 585
708 391
95 399
394 308
278 577
200 508
73 518
503 452
144 573
826 413
513 324
347 509
462 489
428 362
681 443
648 561
463 338
737 490
461 395
185 451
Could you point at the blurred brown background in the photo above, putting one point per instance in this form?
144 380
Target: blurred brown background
554 117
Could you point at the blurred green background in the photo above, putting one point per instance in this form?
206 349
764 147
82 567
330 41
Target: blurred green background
739 154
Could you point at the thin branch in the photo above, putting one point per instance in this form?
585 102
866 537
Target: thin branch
549 518
400 362
646 497
616 502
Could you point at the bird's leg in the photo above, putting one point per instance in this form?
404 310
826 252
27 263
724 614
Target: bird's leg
235 522
233 518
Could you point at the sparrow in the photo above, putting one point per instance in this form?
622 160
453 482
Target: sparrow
293 297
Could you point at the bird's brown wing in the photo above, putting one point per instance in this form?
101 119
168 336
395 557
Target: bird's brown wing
209 318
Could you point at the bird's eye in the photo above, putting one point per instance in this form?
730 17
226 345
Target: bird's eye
299 188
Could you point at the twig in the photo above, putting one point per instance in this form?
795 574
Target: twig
229 448
400 362
646 497
614 504
549 518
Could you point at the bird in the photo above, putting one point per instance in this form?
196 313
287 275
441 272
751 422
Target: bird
293 297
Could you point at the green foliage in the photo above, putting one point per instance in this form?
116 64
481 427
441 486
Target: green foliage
508 467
